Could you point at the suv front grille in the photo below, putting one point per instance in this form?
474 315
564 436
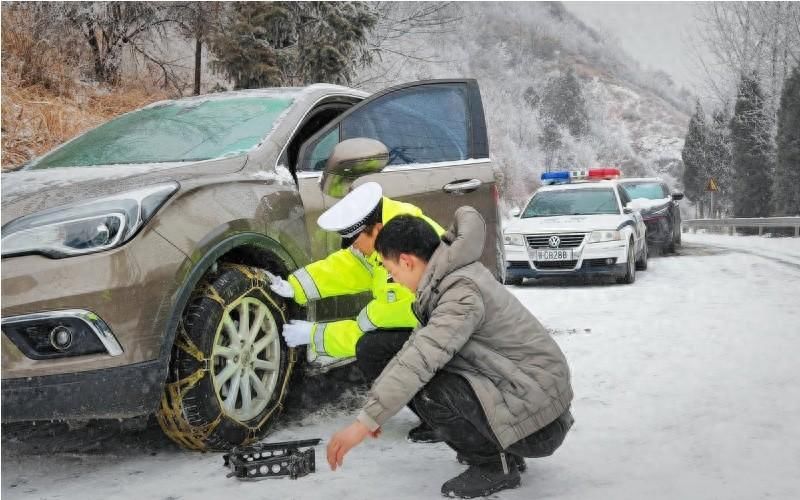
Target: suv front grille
568 240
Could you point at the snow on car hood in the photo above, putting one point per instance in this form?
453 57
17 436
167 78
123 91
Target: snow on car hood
645 204
28 191
565 223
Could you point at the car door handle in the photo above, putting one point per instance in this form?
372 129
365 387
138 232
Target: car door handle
465 186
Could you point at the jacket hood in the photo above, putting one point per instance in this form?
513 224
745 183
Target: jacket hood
461 245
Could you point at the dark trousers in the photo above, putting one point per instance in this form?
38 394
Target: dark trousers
448 404
375 349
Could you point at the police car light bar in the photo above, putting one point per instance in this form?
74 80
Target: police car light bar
592 174
604 173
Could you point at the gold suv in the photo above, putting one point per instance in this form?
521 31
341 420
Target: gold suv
133 255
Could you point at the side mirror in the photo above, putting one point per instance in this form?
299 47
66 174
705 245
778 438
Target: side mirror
627 210
514 212
677 195
350 160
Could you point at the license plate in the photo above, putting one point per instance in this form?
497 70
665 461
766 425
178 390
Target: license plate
551 254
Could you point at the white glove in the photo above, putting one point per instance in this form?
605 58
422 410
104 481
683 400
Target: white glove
280 285
297 332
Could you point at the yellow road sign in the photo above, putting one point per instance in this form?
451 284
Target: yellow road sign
712 185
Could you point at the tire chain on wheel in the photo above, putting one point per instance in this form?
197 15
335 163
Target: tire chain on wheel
175 414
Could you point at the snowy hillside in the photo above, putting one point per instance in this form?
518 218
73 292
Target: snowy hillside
636 120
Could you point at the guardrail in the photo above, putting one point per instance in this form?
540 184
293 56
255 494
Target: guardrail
755 222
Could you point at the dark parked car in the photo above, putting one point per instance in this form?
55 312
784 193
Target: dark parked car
133 254
659 209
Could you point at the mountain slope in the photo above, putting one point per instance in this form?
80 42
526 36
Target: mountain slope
636 119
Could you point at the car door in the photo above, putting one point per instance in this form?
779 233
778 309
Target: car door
435 132
640 228
674 210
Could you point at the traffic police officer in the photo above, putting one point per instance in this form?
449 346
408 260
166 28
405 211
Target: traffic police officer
358 218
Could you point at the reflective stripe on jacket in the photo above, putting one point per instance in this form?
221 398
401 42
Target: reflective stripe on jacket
347 272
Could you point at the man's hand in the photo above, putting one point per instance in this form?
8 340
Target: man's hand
297 332
280 285
346 439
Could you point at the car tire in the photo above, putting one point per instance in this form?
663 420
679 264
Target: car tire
641 264
514 281
227 380
630 268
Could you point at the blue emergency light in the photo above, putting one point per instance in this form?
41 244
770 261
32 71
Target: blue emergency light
567 176
561 177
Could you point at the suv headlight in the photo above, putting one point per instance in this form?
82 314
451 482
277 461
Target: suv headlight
514 239
85 227
600 236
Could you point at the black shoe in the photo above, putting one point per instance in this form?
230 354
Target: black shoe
423 433
481 480
517 460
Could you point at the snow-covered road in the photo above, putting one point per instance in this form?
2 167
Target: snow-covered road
686 387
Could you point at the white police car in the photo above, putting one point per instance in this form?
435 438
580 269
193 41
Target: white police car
576 225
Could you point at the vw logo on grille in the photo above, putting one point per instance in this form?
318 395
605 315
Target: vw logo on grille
554 241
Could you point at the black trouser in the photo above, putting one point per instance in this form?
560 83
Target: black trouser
375 349
448 404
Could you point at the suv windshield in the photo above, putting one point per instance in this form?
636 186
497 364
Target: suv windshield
572 202
190 130
647 190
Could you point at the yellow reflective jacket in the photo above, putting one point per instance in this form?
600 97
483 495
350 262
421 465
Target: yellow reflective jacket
347 272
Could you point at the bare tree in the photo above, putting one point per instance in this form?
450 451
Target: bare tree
401 38
111 27
198 21
746 38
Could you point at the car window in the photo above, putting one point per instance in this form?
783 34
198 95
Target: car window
417 125
572 202
322 151
425 124
646 190
176 131
623 196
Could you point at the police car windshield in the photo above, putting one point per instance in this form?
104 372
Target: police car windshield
572 202
647 190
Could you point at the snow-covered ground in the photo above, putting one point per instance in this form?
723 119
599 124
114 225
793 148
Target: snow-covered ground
685 382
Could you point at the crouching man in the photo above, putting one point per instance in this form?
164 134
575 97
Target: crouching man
480 369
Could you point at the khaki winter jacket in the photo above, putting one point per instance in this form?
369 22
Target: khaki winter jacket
473 326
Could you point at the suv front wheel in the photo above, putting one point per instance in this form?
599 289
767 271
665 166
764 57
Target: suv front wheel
230 368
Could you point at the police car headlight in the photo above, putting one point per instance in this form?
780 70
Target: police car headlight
87 227
514 239
600 236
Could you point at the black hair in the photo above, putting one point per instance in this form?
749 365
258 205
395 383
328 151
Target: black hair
407 234
375 217
370 222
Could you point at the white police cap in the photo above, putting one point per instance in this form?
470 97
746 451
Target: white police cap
349 216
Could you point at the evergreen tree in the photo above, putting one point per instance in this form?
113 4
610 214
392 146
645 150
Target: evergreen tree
694 157
563 102
753 152
719 159
550 141
787 171
293 43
